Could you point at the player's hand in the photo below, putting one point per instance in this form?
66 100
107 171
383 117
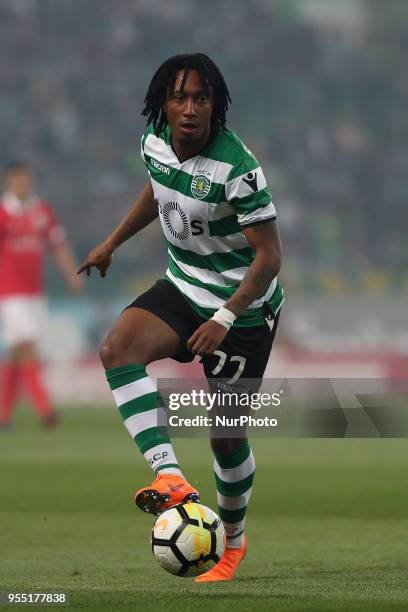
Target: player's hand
207 338
100 258
76 284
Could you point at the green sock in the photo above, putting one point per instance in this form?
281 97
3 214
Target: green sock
234 473
136 396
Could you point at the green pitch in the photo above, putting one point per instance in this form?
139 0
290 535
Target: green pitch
327 526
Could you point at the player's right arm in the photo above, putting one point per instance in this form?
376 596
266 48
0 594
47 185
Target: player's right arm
143 212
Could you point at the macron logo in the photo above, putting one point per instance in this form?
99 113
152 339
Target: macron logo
160 167
251 181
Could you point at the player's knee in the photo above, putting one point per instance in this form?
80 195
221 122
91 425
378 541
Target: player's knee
115 352
107 355
112 354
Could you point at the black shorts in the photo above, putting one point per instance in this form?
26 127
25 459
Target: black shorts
244 352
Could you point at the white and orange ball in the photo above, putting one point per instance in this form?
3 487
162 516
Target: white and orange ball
188 539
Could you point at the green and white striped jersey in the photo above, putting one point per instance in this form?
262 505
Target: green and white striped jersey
204 204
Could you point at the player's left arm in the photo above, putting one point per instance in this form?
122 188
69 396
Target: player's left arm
265 241
67 263
62 253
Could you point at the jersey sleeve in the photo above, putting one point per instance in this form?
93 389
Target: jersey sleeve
247 192
142 148
54 232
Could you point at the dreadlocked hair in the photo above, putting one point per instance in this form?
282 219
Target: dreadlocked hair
162 84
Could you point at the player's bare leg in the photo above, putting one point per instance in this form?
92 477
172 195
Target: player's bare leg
138 338
234 469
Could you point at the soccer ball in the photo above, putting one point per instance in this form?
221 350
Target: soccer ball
188 539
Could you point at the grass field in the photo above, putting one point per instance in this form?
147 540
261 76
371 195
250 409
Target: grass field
327 526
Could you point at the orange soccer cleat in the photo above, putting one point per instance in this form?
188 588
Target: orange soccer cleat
166 490
227 566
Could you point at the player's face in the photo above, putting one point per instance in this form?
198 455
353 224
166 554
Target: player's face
19 182
189 111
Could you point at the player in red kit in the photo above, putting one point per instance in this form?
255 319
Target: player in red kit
28 227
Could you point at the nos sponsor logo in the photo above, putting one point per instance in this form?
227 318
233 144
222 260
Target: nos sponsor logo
176 221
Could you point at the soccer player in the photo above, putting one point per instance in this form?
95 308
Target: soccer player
27 227
220 292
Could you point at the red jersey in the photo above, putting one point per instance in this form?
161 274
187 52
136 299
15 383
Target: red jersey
26 230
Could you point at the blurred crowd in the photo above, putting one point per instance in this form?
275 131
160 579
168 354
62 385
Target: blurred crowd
319 95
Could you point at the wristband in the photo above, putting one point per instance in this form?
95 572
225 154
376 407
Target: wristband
224 317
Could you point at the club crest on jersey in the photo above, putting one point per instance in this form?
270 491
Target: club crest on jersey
200 186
